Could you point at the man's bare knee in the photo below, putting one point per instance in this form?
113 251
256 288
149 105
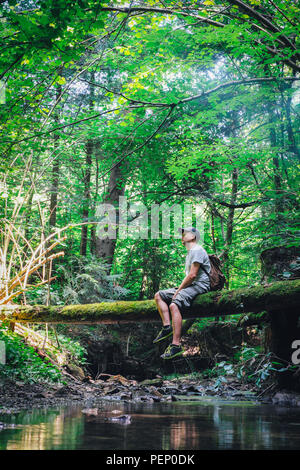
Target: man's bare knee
157 296
173 307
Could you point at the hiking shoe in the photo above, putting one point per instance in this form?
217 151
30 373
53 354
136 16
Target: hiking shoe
164 333
172 351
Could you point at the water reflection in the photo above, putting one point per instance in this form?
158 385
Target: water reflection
43 429
210 424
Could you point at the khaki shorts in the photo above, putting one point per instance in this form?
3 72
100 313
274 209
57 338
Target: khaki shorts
185 297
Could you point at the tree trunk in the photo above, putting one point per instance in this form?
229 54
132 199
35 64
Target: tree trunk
27 218
87 178
54 193
280 263
93 206
86 197
230 220
55 170
54 183
285 328
276 167
105 247
143 287
293 148
280 296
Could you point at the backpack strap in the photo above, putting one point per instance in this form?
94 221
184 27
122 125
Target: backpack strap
202 267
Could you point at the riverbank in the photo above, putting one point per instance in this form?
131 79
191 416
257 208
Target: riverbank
116 388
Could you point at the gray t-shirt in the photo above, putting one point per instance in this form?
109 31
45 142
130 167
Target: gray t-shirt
198 254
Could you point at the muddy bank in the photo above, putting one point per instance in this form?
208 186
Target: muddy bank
18 396
114 388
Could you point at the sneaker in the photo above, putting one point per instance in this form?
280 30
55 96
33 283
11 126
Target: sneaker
164 333
172 351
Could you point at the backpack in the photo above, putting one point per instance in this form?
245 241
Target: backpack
216 277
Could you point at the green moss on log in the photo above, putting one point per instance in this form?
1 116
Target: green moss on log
279 296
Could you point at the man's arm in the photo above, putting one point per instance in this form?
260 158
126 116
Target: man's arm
189 279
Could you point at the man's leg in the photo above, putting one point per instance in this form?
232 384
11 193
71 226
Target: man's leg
163 309
174 349
177 323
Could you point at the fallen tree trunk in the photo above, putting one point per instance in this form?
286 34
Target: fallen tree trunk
279 296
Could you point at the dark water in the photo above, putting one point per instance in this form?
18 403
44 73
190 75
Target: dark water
208 424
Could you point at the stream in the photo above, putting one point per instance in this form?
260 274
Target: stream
206 423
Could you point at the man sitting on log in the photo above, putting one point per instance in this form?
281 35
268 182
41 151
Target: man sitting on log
178 299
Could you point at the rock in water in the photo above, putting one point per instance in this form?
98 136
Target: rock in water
123 419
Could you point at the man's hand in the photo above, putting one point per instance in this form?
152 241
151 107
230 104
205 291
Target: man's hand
189 279
175 294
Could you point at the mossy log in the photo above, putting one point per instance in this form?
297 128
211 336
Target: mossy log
279 296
